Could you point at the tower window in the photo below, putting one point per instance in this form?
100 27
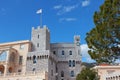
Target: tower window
70 52
34 59
38 36
72 74
63 52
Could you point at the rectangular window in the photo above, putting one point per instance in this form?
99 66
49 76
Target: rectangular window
72 74
37 44
54 52
20 60
63 52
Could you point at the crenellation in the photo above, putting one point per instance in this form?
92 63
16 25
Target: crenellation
38 27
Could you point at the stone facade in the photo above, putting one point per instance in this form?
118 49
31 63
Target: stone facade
39 59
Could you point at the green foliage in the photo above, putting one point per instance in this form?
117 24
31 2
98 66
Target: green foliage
104 39
87 74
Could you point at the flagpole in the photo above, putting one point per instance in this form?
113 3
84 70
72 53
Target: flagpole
40 12
41 19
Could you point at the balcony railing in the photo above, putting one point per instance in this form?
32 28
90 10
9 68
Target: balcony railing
30 73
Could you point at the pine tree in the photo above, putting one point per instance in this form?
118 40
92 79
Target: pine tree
104 39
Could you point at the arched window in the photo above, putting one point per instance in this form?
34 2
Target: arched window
33 69
73 63
2 68
10 69
28 58
62 73
72 73
70 52
70 63
34 59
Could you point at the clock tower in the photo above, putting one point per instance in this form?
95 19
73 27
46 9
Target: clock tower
77 40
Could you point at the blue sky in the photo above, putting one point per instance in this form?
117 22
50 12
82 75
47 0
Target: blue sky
64 18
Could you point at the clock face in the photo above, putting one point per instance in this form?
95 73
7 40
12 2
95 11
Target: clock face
77 39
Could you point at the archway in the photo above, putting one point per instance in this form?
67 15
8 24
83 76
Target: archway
2 68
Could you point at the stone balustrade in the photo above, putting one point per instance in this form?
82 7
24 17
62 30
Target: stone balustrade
30 73
113 76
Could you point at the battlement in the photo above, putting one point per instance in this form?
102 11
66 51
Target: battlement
40 28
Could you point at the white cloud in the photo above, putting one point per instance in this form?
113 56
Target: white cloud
67 19
66 9
85 56
85 3
57 7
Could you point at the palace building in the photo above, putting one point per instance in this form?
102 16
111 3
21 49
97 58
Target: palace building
108 72
38 59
